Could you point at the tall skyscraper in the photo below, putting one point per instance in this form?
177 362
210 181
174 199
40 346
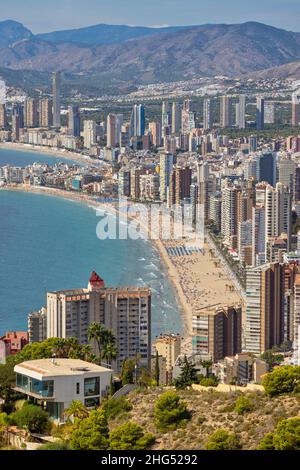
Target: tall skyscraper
267 167
241 112
287 174
126 311
295 109
166 117
31 112
175 118
3 116
138 120
187 117
155 131
56 90
112 130
207 116
264 326
225 112
15 127
45 113
89 134
260 113
166 168
18 109
278 212
74 121
229 221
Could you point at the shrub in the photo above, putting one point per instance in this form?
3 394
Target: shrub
243 405
267 442
116 406
211 381
287 435
170 412
130 436
57 445
91 433
223 440
284 379
31 417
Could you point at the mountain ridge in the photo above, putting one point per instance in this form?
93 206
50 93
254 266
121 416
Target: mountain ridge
162 54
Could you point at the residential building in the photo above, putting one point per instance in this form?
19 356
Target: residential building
169 347
56 383
37 326
56 90
225 112
74 121
260 113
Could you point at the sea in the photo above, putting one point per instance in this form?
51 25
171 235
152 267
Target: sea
49 243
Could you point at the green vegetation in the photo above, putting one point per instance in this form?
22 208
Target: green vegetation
243 405
272 358
210 381
156 370
285 437
114 407
223 440
77 410
188 375
57 445
91 433
170 412
284 379
30 417
128 372
130 436
105 340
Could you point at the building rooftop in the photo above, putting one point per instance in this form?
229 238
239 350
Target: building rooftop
57 367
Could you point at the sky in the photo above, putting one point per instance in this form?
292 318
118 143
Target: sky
43 16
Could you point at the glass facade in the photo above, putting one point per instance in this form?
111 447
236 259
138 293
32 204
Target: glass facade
44 389
92 386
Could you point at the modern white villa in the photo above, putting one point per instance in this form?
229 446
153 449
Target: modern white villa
55 383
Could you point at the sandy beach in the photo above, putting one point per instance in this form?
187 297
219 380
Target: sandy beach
198 279
53 152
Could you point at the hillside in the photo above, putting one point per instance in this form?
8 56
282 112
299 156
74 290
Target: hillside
211 411
157 55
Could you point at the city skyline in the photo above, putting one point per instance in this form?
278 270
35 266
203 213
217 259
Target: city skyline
71 14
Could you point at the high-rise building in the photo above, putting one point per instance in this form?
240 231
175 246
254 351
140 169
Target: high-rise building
287 174
166 117
207 115
229 221
187 117
18 109
215 209
217 331
169 347
56 90
155 131
258 235
166 167
295 109
31 113
124 182
268 167
15 127
225 112
138 120
241 112
125 311
180 185
269 112
45 113
89 134
3 116
74 121
264 323
37 326
175 118
278 212
260 113
296 316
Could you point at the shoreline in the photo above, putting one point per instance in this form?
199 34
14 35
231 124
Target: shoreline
55 152
171 272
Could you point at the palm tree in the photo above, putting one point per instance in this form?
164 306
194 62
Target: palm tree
96 332
207 365
77 410
109 352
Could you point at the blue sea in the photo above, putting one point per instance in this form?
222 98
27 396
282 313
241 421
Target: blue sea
48 243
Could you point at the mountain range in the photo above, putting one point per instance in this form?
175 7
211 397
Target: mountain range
143 55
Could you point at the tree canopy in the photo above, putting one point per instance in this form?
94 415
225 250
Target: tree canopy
223 440
170 412
285 437
130 436
91 433
284 379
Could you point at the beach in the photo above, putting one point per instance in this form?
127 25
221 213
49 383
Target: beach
53 152
198 278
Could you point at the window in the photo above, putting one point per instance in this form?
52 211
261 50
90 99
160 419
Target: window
78 388
91 402
91 386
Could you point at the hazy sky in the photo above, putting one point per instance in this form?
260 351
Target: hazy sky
42 16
